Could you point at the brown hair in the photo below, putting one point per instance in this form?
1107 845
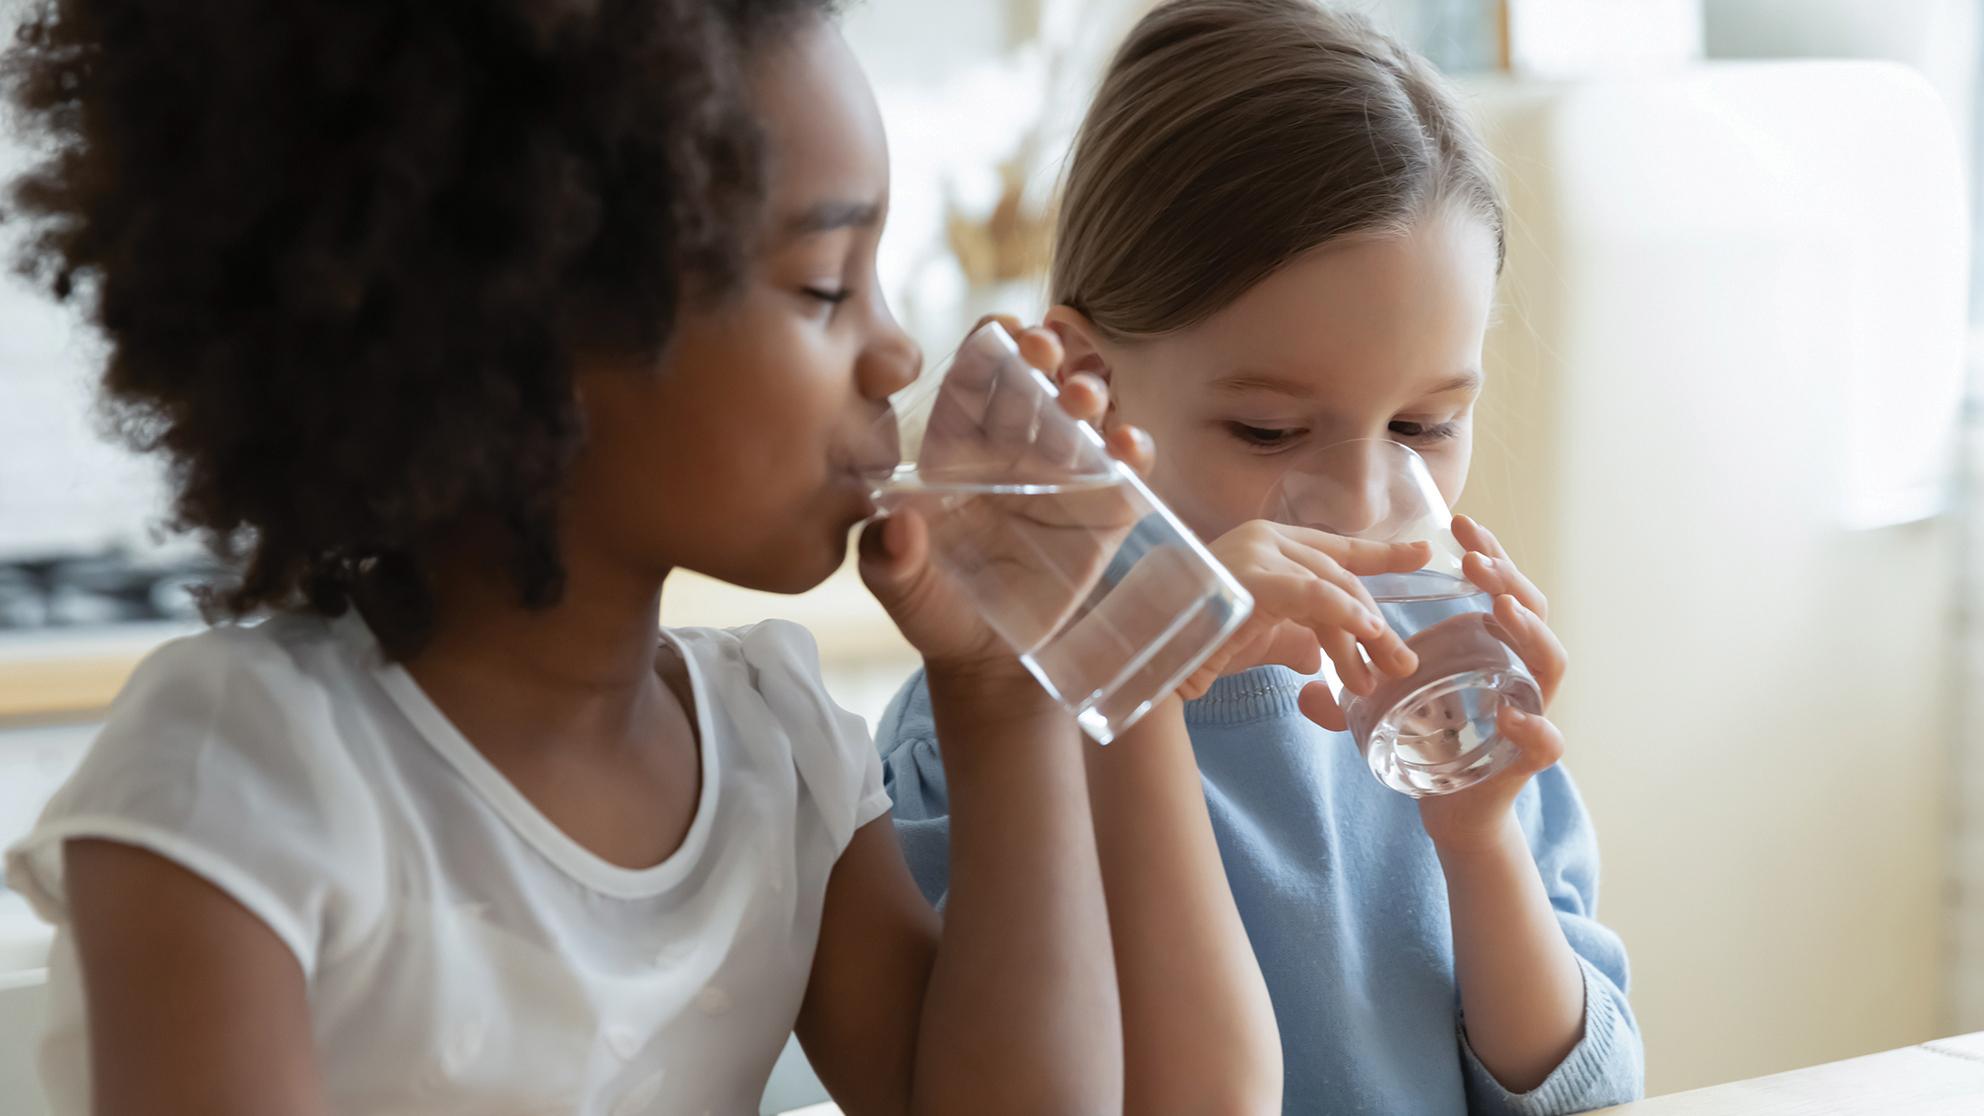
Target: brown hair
1230 137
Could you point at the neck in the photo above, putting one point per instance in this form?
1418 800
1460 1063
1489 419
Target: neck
592 652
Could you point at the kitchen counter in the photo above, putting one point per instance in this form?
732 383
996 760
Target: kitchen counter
1941 1078
71 674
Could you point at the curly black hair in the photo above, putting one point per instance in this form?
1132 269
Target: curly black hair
343 252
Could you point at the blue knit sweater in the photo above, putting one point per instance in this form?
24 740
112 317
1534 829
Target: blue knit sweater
1346 907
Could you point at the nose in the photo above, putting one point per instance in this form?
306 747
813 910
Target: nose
1345 490
890 363
1360 493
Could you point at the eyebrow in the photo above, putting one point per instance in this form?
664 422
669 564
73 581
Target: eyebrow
831 216
1240 382
1469 380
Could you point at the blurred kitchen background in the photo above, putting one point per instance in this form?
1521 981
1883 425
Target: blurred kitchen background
1726 431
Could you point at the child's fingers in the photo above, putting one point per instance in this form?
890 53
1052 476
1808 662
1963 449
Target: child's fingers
1486 574
1508 577
1133 447
1538 742
1325 566
1499 575
1042 349
1540 649
1473 536
1350 666
1336 616
1360 556
1085 397
1388 651
1480 569
1316 603
1260 642
1244 647
1318 705
1008 424
893 551
1010 420
1010 322
1295 647
1038 346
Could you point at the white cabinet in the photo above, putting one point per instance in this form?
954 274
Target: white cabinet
1730 337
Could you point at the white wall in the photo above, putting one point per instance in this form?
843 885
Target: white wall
62 485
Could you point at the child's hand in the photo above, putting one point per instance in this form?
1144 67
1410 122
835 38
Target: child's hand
1474 818
1308 602
932 610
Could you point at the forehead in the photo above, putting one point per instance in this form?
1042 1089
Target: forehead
1371 311
823 131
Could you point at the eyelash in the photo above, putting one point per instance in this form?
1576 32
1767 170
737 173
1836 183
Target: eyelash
1438 432
1262 437
1269 438
831 298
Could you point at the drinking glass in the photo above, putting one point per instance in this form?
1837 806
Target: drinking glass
1109 601
1436 731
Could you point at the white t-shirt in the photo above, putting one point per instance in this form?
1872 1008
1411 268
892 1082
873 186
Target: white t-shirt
462 953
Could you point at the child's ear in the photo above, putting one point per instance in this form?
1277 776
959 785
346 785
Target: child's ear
1080 341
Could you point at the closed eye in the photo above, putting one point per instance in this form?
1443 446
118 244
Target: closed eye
830 296
1425 432
1263 437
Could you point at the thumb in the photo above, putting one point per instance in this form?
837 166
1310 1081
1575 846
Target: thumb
1316 704
894 557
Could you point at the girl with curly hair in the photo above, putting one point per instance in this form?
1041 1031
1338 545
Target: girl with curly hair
461 324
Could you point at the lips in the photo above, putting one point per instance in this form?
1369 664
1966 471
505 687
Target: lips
877 469
862 489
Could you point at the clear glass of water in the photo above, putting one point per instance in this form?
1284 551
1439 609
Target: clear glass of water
1435 732
1105 596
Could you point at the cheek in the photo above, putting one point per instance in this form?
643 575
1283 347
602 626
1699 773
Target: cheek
1449 468
1213 484
1210 481
766 399
722 440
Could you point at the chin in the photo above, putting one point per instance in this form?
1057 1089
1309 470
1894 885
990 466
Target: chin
794 569
810 548
809 576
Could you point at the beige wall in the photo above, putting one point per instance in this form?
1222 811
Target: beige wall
1759 707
